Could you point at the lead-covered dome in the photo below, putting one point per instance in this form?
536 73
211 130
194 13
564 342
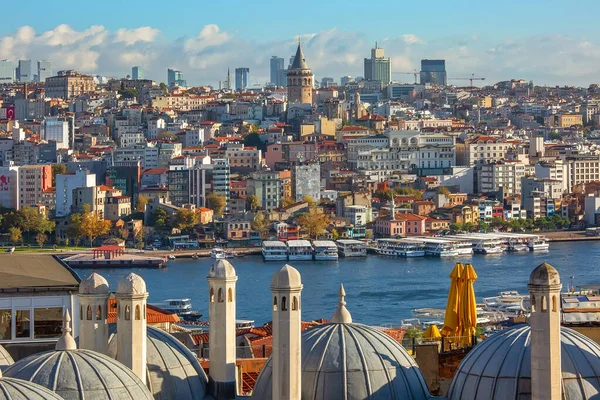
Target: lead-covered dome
79 375
173 371
221 269
131 284
500 367
17 389
95 284
351 361
5 358
286 277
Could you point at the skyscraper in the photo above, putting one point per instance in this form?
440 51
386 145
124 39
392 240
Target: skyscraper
7 72
378 68
433 72
175 78
299 79
277 78
241 78
44 68
24 71
137 72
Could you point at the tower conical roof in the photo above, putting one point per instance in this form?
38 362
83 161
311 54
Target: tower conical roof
299 60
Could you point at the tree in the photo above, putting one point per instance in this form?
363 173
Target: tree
309 200
129 93
90 225
444 190
186 219
41 238
167 136
287 201
216 203
253 202
30 220
497 222
253 139
124 233
313 222
483 226
335 235
468 227
140 204
67 242
163 87
456 227
405 191
159 218
58 169
15 234
139 239
260 224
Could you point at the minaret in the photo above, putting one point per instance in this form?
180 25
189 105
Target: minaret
393 208
286 287
222 346
131 324
341 315
357 113
299 79
546 375
228 79
66 341
93 310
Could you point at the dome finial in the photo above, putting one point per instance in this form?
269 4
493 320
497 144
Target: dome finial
342 315
66 341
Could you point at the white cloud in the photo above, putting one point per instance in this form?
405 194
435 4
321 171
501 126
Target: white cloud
204 57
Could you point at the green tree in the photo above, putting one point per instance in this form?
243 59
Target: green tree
139 239
124 233
141 202
30 220
159 219
468 227
41 238
497 222
483 226
185 219
456 227
15 234
168 136
58 169
253 139
129 93
164 88
260 224
405 191
253 202
74 229
67 242
313 222
216 203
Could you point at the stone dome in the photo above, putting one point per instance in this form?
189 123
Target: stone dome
131 284
351 361
500 367
286 277
173 371
221 269
544 274
93 284
80 374
17 389
5 358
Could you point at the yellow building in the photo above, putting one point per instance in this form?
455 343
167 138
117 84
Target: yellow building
69 84
568 120
485 102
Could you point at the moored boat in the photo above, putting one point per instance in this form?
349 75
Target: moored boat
325 250
299 250
273 250
351 248
217 253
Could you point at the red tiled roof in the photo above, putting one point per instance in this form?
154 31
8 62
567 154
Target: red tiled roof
154 315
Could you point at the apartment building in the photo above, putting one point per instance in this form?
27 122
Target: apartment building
66 184
505 175
244 158
482 150
266 186
68 84
181 102
33 181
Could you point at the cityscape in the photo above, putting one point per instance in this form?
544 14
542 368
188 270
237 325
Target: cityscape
353 213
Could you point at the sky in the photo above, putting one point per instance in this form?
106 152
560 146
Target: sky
548 41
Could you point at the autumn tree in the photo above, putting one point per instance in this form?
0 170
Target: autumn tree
124 233
216 203
260 224
253 202
186 219
140 204
41 238
313 222
309 200
91 225
15 234
335 235
287 201
443 190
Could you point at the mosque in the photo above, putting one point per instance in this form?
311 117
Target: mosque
341 359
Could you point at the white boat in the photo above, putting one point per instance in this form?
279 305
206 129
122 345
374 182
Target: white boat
325 250
400 248
538 244
351 248
439 247
217 253
516 244
176 306
510 303
171 257
299 250
273 250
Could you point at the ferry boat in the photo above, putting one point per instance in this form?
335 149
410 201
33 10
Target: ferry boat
463 247
538 244
438 247
299 250
351 248
400 248
217 253
181 307
325 250
509 302
488 246
273 250
517 244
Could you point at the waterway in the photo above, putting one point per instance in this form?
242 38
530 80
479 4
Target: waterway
380 290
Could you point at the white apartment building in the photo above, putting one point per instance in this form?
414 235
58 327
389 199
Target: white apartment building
503 174
56 129
131 137
482 150
65 184
582 169
556 170
156 127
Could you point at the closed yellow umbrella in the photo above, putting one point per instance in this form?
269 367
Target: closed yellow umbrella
432 333
451 327
468 306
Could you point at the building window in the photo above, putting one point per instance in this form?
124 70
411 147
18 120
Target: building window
98 313
23 323
137 313
88 313
212 295
127 313
283 304
275 303
544 304
230 295
5 324
295 304
47 322
220 296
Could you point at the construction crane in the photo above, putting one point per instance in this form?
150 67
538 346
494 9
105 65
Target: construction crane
471 79
415 73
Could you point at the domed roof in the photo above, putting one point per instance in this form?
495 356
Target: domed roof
500 367
131 284
351 361
17 389
5 357
544 274
80 374
173 371
93 284
286 277
221 269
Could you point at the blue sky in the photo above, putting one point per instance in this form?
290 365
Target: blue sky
546 40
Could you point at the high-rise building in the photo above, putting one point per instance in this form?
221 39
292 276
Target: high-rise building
44 68
306 181
7 72
433 72
24 73
57 129
378 68
137 72
65 184
175 78
299 79
344 80
327 82
241 78
277 77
